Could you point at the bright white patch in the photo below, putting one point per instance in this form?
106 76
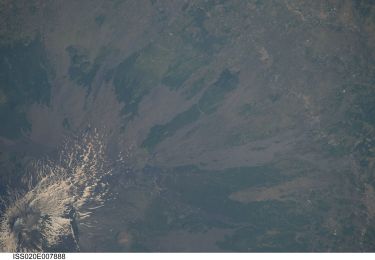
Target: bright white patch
41 218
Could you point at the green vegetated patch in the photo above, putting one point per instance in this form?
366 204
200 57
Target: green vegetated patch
81 69
169 61
195 88
246 109
139 73
215 93
100 19
23 81
160 132
66 123
248 135
183 68
364 8
208 103
186 60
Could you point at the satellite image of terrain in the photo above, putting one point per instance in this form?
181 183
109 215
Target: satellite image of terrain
187 126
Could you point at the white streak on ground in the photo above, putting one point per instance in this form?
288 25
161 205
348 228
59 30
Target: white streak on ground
38 219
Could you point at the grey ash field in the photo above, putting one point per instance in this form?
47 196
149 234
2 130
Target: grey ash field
244 126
